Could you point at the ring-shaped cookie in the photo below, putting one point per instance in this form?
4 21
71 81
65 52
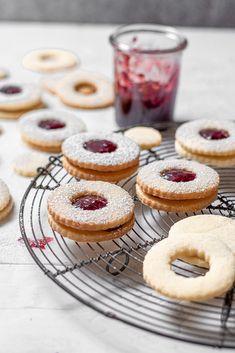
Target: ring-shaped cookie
124 156
118 210
15 96
219 278
35 133
49 60
152 181
85 90
189 137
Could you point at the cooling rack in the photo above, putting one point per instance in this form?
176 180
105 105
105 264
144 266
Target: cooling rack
107 276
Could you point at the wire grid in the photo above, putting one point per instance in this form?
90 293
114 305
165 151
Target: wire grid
107 276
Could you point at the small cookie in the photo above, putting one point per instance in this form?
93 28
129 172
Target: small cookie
145 137
15 96
101 151
189 205
217 161
178 180
13 115
208 137
49 60
217 226
90 205
27 164
91 236
159 275
89 174
4 73
85 90
46 129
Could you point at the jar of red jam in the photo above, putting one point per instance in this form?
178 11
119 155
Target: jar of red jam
147 62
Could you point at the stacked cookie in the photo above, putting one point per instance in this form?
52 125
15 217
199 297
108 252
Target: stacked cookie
177 185
208 141
100 156
90 211
18 98
46 129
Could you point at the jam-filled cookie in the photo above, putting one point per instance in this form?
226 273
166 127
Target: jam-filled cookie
16 96
100 156
209 141
6 203
49 60
177 185
90 211
46 129
85 90
145 137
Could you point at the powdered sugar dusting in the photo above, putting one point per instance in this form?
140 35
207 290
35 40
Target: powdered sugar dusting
4 195
126 151
119 203
188 135
29 92
29 125
206 177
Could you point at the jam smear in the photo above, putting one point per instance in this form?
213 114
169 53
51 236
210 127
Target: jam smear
51 124
90 202
214 134
10 89
178 175
100 146
40 243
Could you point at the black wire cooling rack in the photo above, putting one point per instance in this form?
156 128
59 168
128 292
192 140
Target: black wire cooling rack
107 276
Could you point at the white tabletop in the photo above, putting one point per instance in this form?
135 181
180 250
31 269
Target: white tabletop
36 315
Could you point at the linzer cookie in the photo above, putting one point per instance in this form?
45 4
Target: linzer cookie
209 141
49 60
90 211
100 156
160 276
177 185
46 129
85 90
6 203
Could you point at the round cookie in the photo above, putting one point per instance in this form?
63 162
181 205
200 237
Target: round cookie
187 205
85 90
217 161
26 164
15 96
89 174
49 60
91 236
217 226
46 129
159 275
207 137
145 137
90 205
101 151
178 180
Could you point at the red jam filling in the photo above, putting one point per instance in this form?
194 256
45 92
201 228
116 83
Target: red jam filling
40 243
214 134
51 124
178 175
8 89
100 146
90 202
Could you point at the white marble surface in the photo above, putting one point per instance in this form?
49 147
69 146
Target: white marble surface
35 315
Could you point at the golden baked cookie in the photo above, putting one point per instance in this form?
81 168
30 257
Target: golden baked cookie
145 137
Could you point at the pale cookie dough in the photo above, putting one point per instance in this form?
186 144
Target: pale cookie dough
192 137
15 96
219 279
85 90
49 60
26 164
145 137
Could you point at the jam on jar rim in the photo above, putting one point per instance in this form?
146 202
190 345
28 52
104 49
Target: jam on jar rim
89 202
178 175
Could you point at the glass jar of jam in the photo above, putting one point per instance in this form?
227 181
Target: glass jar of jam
147 62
